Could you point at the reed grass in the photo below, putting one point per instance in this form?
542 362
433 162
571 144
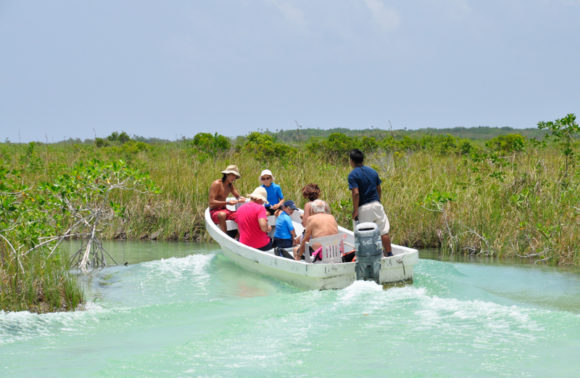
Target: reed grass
43 285
516 205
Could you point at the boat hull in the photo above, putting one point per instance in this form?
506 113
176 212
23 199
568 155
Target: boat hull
307 275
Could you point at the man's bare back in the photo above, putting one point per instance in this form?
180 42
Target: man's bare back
321 225
318 225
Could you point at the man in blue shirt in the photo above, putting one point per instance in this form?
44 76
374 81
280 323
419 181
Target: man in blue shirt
365 184
284 235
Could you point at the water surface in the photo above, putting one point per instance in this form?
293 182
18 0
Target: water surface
180 309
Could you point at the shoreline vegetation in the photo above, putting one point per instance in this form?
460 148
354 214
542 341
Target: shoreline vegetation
499 192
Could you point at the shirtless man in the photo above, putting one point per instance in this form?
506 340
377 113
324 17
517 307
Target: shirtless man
319 224
219 190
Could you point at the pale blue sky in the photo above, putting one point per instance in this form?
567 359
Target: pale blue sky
174 68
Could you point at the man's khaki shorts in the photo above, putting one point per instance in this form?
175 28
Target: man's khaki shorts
374 212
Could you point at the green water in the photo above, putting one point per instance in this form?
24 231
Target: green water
183 309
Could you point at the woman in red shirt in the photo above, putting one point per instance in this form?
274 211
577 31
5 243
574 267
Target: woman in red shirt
253 221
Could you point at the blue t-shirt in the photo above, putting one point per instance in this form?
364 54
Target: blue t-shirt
366 180
283 226
274 194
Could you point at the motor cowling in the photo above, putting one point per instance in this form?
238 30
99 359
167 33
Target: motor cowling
369 251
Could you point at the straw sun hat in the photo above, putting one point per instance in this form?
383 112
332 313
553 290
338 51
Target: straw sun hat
232 169
260 194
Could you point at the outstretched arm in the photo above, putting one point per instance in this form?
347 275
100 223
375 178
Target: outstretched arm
236 194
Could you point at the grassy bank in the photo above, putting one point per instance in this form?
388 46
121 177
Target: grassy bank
464 199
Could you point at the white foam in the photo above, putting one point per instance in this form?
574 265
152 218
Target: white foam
178 266
485 319
24 325
171 272
371 296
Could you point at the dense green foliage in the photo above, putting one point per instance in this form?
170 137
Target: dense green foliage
206 142
36 217
32 276
265 148
564 131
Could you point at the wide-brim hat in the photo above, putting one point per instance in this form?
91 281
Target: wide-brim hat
266 172
233 169
259 193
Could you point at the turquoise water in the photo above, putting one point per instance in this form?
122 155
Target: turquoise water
183 309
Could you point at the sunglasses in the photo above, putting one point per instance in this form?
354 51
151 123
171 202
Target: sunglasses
265 178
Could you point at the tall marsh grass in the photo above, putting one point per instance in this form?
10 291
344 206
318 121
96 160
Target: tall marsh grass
501 204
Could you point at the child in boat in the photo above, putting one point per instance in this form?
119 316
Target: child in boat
284 235
275 196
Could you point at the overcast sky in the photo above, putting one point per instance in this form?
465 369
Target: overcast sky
170 69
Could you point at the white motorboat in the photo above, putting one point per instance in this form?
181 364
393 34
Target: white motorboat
330 273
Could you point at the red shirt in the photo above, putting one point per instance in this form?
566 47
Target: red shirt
250 232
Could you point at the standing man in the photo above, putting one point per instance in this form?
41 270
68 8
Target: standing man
219 190
365 184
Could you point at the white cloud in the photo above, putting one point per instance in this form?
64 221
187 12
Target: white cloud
386 18
292 14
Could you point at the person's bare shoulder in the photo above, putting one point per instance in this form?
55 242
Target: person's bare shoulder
326 219
312 220
216 184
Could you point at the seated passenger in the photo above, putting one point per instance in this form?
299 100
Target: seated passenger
253 221
275 196
219 190
311 192
285 234
319 224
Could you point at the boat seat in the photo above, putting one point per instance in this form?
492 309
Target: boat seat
332 247
231 225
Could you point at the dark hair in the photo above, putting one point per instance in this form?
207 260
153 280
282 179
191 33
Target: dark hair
311 191
357 156
224 177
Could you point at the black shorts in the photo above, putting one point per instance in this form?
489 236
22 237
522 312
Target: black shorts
267 247
282 243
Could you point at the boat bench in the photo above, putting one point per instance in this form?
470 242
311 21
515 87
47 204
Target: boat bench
332 248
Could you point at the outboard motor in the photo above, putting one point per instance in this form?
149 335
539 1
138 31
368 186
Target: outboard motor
369 251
